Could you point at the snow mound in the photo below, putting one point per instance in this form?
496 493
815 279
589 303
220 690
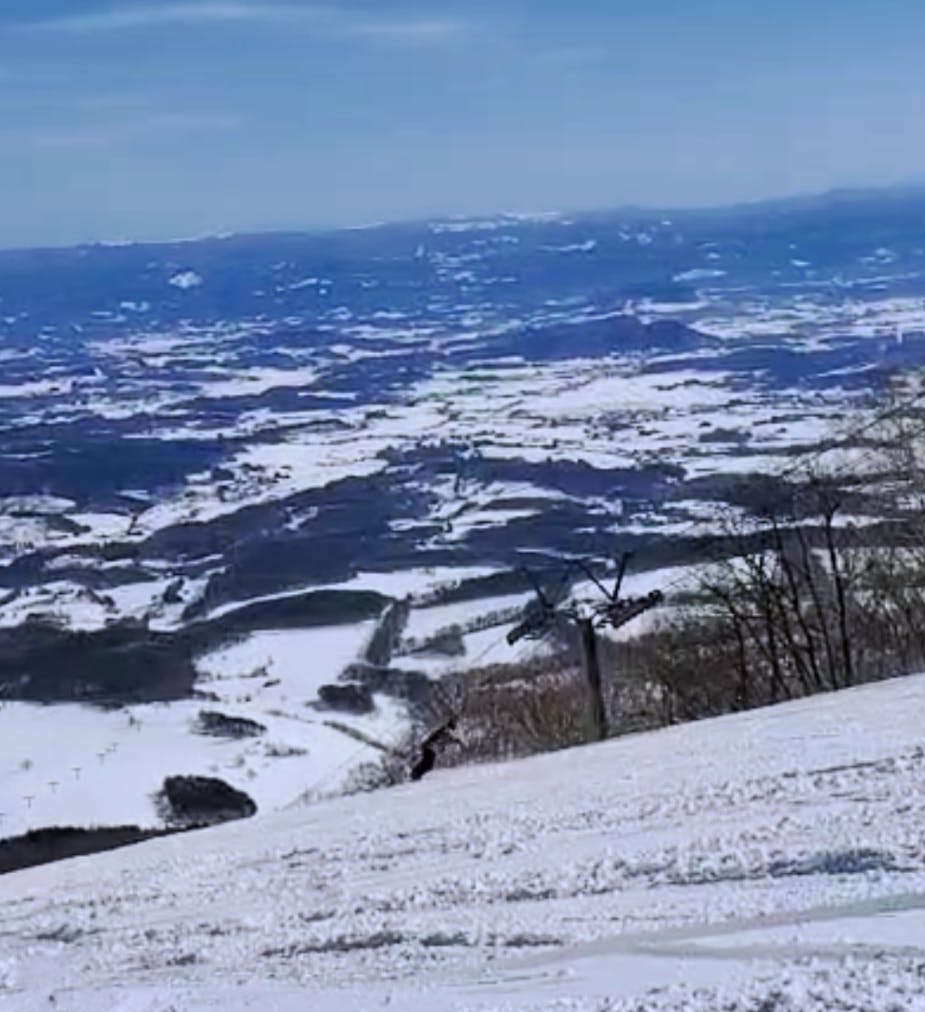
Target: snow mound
185 280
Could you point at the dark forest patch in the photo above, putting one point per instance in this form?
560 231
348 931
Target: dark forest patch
129 663
43 846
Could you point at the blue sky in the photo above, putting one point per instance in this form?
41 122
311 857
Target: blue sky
177 117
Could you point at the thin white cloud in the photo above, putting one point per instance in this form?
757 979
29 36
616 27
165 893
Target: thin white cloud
330 22
102 101
422 30
574 56
101 136
93 102
118 19
192 121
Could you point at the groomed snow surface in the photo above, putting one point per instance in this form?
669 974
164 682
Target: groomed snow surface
772 860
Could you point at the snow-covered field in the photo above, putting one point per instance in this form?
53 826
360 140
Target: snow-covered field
772 860
438 395
76 765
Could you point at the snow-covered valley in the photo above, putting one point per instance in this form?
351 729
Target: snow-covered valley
772 859
225 463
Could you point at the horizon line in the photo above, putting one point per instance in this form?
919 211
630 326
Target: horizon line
256 232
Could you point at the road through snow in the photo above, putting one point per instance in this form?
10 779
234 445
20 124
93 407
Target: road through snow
772 860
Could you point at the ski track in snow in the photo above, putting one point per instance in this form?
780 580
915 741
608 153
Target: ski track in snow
769 860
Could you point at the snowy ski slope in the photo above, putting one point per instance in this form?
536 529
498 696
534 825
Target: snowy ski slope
769 860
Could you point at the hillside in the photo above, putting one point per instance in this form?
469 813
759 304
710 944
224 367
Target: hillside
770 860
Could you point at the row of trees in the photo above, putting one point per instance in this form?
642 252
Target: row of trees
802 596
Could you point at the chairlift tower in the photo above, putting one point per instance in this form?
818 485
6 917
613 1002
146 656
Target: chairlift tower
541 615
